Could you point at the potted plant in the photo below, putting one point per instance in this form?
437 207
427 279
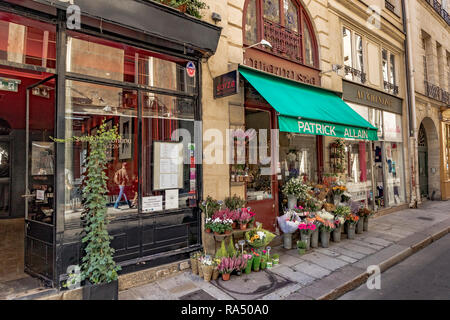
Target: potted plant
191 7
244 218
226 267
194 262
98 269
210 206
301 247
249 260
215 274
276 259
342 211
263 262
208 225
234 203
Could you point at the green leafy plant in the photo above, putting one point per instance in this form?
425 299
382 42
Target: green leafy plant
301 244
210 206
235 202
98 265
222 252
193 7
231 251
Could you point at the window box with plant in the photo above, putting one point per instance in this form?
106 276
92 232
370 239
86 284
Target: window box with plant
191 7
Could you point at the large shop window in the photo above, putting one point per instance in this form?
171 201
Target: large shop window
28 42
115 61
298 157
87 105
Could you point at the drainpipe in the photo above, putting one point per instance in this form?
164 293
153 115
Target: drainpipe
411 106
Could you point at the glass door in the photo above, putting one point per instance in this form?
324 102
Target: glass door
261 186
39 178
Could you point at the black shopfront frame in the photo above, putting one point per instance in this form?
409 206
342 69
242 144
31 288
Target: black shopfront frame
67 246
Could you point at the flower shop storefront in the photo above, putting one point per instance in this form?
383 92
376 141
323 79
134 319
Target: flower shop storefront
122 68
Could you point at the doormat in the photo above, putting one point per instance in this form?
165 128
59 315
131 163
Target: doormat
197 295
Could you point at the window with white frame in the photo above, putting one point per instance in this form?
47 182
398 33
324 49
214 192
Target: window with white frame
353 53
389 71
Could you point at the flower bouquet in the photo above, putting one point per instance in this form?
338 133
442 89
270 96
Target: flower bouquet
289 221
259 237
215 274
208 268
351 221
256 260
194 261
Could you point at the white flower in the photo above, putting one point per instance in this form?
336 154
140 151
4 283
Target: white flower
261 234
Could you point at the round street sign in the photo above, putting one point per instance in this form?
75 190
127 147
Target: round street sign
190 69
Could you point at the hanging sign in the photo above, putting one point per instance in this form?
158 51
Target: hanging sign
226 84
9 84
190 69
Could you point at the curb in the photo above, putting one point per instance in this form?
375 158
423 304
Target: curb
384 265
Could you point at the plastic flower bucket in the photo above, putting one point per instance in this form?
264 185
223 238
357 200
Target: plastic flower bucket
256 263
248 269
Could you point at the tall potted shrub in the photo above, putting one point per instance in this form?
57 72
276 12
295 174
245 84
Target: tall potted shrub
98 269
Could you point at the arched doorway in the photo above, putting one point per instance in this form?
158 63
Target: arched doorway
423 161
429 160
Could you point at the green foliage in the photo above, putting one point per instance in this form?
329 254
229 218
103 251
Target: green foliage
98 265
193 7
296 187
231 251
301 244
222 252
210 206
235 202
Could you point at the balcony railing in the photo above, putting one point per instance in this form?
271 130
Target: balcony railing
437 93
441 11
359 75
284 42
389 6
390 87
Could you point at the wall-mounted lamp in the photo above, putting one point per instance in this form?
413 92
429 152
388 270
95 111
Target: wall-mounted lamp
263 42
335 68
216 17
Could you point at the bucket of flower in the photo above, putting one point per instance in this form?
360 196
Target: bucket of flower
288 223
326 227
338 223
306 228
365 214
351 221
301 247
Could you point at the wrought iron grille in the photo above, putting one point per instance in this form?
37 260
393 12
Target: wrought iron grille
285 43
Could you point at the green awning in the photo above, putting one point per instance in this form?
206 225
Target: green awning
309 110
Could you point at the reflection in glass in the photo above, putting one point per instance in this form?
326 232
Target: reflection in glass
298 156
309 50
100 58
27 41
87 105
394 168
272 10
251 26
4 177
290 15
176 142
347 46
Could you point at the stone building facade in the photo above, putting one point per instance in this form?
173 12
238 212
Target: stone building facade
429 25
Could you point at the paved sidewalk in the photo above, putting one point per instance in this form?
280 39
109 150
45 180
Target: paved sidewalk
321 273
